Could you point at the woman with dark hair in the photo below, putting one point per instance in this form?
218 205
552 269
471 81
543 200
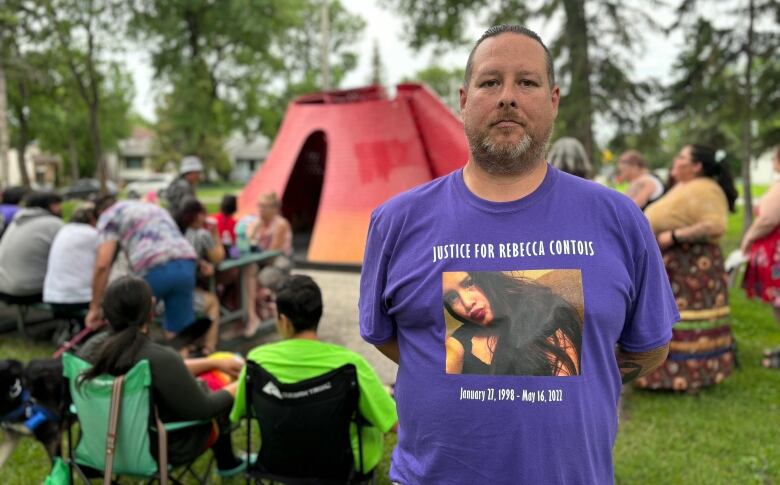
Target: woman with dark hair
511 326
26 243
128 306
191 219
688 223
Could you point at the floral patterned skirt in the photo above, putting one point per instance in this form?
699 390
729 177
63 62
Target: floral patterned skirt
762 275
701 353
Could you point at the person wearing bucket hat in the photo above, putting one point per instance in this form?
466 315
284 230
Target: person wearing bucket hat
183 186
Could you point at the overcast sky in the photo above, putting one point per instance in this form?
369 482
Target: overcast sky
400 61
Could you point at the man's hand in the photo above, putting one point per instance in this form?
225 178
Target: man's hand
637 364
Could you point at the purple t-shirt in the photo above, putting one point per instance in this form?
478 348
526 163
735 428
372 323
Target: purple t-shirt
533 295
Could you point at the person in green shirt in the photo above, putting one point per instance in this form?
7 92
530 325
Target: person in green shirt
301 355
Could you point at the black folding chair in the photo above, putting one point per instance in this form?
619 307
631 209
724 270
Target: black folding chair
304 428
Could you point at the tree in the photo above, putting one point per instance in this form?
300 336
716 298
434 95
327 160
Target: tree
591 49
60 118
11 32
376 66
79 31
737 65
4 172
446 82
223 64
61 90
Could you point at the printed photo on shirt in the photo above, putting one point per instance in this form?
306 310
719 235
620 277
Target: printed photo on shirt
525 323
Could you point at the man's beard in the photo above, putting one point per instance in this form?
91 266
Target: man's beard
504 159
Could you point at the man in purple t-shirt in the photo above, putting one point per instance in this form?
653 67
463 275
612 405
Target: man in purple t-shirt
514 297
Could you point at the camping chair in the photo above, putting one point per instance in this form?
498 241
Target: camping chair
304 427
114 437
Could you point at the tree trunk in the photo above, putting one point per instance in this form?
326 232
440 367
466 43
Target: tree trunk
4 168
73 159
24 133
579 111
747 125
21 151
97 146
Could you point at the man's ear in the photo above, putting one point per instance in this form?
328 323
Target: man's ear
462 100
284 326
555 98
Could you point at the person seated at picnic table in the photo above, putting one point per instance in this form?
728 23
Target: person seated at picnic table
67 287
191 220
226 223
10 204
128 307
24 249
302 355
155 250
271 232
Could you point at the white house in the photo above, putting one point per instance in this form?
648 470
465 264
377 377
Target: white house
246 156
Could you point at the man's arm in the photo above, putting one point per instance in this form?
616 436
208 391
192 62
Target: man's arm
638 364
390 350
105 257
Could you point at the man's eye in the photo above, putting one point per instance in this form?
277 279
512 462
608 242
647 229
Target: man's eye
489 83
527 83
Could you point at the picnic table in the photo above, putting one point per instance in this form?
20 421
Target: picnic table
227 315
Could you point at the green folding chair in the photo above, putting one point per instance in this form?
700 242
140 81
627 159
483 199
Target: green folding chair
122 448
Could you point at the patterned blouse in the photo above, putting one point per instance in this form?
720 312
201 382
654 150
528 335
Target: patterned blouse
146 232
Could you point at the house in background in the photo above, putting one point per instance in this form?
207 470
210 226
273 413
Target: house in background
136 154
246 155
42 168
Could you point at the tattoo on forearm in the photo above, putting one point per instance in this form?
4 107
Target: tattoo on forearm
638 364
629 371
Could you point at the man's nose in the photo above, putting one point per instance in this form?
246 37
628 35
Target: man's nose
507 98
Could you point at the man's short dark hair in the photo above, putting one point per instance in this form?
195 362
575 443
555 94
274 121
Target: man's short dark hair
43 200
14 195
300 300
515 29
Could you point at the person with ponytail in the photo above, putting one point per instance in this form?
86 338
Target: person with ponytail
128 307
689 222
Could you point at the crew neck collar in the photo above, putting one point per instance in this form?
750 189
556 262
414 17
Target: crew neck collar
511 206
